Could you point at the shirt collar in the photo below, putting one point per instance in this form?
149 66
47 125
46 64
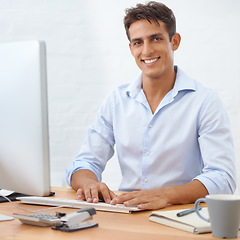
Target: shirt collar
135 87
182 82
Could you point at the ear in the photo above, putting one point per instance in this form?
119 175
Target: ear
130 46
175 42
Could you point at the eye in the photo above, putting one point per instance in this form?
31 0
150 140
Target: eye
136 43
156 39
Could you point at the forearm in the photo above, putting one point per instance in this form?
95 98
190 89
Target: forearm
81 177
186 193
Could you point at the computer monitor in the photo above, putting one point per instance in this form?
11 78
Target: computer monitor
24 145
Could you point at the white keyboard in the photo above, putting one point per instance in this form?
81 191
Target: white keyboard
100 206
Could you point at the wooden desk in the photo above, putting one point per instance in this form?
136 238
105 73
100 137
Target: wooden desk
117 226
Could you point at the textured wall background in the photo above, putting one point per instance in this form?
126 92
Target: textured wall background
88 56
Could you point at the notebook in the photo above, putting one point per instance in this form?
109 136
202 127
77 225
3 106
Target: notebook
191 222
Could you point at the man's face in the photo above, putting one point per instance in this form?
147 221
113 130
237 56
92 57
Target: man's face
151 47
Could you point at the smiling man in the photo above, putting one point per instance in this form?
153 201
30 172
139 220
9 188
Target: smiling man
172 134
152 49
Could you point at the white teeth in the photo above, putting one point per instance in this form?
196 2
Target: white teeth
151 60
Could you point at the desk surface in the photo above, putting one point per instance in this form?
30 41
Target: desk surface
111 225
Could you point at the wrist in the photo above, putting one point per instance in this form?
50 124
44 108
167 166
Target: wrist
82 177
170 194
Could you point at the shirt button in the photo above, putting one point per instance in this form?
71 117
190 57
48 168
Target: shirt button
147 153
150 125
145 180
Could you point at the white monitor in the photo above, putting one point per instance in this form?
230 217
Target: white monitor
24 146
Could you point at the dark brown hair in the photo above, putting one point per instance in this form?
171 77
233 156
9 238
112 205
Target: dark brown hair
151 11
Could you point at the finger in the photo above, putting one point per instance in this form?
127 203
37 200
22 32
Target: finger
106 193
94 195
88 195
80 194
114 201
123 198
118 199
112 194
152 205
132 202
146 206
132 198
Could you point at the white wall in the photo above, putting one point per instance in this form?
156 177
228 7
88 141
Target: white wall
88 56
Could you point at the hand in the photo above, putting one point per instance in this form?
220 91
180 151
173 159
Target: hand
160 198
145 199
88 188
93 191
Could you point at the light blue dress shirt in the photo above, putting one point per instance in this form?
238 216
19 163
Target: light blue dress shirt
188 137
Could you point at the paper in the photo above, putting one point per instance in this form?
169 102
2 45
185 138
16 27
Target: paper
5 218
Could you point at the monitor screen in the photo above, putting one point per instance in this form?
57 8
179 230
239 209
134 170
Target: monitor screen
24 145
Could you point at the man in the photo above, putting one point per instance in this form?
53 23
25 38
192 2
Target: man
172 134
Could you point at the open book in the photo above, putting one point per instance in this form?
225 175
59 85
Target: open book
191 222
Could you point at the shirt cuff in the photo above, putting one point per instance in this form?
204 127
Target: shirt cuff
216 183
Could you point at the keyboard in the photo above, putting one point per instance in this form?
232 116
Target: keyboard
59 202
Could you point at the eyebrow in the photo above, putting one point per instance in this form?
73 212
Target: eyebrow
149 37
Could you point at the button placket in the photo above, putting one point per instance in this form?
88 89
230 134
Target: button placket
146 154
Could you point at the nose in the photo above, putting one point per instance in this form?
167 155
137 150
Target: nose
147 49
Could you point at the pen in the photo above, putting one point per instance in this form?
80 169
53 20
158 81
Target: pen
186 212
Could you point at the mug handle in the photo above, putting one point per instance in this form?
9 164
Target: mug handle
198 201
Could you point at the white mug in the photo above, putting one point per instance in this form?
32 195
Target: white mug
224 214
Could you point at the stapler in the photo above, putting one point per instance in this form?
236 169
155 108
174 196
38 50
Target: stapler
76 221
67 223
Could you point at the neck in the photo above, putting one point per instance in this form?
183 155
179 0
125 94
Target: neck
156 88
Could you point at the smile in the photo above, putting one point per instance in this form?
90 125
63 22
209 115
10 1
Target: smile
150 60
